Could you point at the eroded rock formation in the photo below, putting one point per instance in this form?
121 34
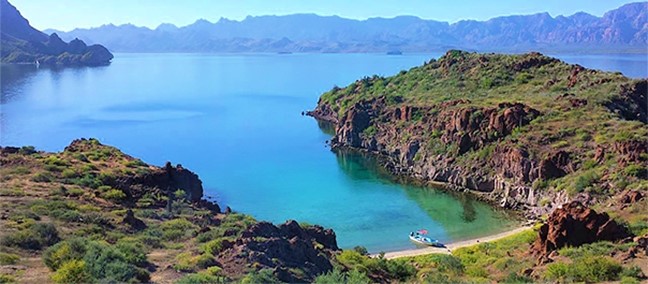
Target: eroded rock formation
281 248
573 225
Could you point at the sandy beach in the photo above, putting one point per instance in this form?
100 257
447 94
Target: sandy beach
452 246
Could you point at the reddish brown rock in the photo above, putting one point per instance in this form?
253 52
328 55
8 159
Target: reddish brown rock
574 225
283 249
631 151
573 77
632 196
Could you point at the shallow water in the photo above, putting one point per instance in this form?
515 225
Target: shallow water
235 120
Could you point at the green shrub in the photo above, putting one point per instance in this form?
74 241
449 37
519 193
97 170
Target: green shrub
179 194
8 258
177 229
102 262
6 278
370 131
214 247
333 277
133 253
27 150
636 171
361 250
37 236
69 173
262 276
187 262
587 269
201 278
114 195
357 277
73 271
55 256
42 177
588 250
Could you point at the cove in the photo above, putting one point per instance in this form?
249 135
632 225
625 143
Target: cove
236 121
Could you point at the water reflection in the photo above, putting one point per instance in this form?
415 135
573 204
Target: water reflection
457 213
13 76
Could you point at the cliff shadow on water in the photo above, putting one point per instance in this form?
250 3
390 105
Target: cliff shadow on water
461 215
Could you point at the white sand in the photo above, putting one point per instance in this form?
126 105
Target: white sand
452 246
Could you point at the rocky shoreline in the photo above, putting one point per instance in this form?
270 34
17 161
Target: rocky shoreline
475 146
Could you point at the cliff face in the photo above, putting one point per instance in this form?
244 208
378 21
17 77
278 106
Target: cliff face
518 130
21 43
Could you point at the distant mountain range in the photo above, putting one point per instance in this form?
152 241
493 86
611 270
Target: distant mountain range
21 43
622 29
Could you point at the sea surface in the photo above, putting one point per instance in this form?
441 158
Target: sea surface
236 121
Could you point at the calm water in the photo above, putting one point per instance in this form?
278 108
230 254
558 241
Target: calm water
235 120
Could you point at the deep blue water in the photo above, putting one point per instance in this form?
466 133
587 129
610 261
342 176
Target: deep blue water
235 120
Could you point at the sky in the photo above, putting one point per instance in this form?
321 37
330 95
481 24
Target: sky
66 15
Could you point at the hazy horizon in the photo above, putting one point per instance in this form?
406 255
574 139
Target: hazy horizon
46 14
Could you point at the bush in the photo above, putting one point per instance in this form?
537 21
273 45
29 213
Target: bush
333 277
38 235
214 247
42 177
262 276
200 278
177 229
357 277
27 150
100 261
361 250
636 171
72 272
187 262
8 258
5 278
586 269
55 256
114 195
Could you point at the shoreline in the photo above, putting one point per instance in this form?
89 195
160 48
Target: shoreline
452 246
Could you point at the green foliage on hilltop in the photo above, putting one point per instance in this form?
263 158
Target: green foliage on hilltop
579 114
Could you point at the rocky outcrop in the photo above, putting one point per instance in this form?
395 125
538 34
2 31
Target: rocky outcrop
133 222
21 43
630 151
632 101
373 126
165 180
573 225
323 112
283 249
423 126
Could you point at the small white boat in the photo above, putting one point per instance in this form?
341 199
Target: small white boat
420 237
37 63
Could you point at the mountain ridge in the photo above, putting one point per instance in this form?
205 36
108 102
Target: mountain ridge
625 28
23 44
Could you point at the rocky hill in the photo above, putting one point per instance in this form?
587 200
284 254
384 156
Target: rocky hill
21 43
92 213
523 131
623 29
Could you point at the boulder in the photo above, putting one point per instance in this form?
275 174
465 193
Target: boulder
133 222
284 249
573 225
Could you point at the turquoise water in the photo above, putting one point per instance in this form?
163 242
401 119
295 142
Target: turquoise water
235 120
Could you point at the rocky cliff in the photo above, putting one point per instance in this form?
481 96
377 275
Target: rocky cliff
524 131
137 222
21 43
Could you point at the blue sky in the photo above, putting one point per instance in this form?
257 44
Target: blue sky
68 14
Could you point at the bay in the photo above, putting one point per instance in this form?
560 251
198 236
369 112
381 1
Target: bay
236 121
